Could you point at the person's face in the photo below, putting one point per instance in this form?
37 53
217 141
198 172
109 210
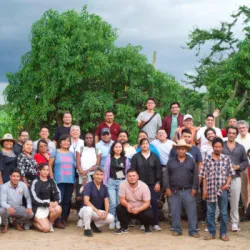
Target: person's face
210 122
188 123
150 105
162 135
231 134
75 133
65 144
89 140
67 119
243 130
187 137
210 135
132 177
118 148
141 136
27 147
123 138
15 178
44 133
145 146
98 176
217 148
181 152
175 109
106 137
109 117
42 148
44 172
232 122
8 144
23 137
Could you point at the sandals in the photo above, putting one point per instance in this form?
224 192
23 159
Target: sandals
176 234
209 237
224 238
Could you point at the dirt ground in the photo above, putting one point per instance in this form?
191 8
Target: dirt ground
72 238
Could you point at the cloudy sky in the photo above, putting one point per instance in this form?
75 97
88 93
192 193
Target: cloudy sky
161 25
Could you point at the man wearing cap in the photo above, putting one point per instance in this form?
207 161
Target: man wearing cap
181 183
104 144
109 123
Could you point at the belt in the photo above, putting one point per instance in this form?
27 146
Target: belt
181 188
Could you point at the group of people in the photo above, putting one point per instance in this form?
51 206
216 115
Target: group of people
117 183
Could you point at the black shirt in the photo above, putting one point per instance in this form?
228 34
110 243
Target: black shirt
17 149
7 164
61 130
117 165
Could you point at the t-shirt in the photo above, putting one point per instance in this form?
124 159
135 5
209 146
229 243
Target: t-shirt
96 197
61 130
201 135
174 126
152 127
40 158
114 129
129 151
104 148
152 148
76 146
64 167
164 149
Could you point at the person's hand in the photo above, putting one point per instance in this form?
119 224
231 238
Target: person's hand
105 215
46 155
101 214
51 176
236 167
136 210
130 208
225 187
84 172
157 187
205 195
216 113
193 192
29 210
178 130
11 211
197 128
168 192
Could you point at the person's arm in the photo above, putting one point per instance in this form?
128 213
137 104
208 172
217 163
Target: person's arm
143 207
106 205
195 177
87 203
55 192
166 183
140 121
34 190
26 194
4 197
99 158
78 163
248 187
205 193
1 179
158 175
244 160
227 185
51 163
96 139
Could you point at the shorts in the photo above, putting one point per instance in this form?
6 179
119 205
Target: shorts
42 212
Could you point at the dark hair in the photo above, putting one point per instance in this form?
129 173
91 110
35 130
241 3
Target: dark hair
233 127
209 115
142 132
63 138
39 142
161 129
175 103
42 165
151 99
123 131
209 129
248 151
44 126
217 140
230 118
66 113
144 139
109 111
112 153
131 170
23 130
16 170
93 144
186 130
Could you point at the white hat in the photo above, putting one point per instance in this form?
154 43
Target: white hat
187 116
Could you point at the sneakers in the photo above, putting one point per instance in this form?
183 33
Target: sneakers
117 225
148 230
156 228
94 227
80 223
142 228
26 226
88 233
121 231
235 227
51 228
112 226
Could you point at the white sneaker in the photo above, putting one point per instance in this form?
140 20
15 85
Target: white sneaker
206 229
51 228
156 228
0 220
26 226
235 227
112 226
117 225
80 223
142 228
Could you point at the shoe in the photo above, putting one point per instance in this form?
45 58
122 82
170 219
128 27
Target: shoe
148 230
195 235
88 233
203 222
112 226
209 237
117 225
198 229
4 229
51 228
80 223
26 226
206 229
121 231
65 223
18 227
142 228
176 233
171 229
59 225
235 227
131 223
94 227
156 228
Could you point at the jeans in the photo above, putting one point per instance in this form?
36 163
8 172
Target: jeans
154 203
211 208
113 189
66 190
177 200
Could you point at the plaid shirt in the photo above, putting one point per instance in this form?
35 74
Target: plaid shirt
216 174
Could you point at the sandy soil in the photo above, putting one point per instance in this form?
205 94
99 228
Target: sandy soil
72 238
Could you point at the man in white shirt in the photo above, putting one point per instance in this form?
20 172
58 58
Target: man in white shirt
209 124
123 139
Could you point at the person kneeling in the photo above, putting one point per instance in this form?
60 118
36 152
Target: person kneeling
45 197
94 213
134 203
12 194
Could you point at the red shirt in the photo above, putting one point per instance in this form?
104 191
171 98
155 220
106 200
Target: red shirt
114 129
224 132
40 158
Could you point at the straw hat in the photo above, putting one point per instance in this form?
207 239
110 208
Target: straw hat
182 143
7 137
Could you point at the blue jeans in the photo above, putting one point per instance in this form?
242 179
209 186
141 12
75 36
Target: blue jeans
177 200
211 208
113 189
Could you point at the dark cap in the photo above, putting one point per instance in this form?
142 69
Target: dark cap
105 131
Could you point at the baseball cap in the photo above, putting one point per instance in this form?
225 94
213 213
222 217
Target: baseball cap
187 116
105 131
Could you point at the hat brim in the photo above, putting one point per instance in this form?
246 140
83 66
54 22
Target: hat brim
2 140
188 147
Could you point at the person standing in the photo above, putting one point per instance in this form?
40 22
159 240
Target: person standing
217 172
64 129
149 120
23 136
237 154
207 147
171 122
230 122
181 183
95 212
76 142
148 166
123 138
109 123
42 155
